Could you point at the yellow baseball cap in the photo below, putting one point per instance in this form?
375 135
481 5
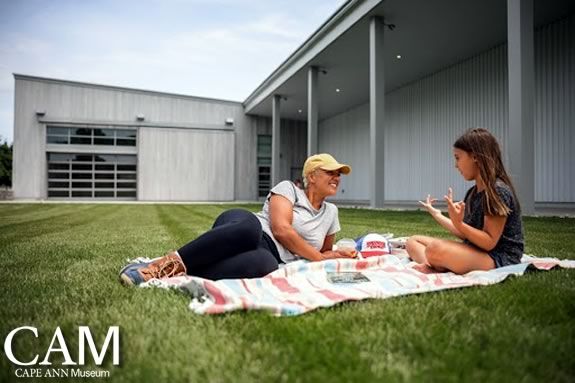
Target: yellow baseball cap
323 161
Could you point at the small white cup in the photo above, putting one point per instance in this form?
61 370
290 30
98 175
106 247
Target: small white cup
345 243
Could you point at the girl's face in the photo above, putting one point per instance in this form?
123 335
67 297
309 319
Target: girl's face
466 164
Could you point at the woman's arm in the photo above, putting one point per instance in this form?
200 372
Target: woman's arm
328 243
440 218
281 217
327 253
485 239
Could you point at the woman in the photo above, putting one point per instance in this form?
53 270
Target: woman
293 224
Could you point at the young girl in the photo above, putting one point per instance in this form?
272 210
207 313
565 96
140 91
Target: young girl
488 220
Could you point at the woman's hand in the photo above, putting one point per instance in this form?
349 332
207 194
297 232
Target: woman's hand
428 205
456 210
340 253
347 253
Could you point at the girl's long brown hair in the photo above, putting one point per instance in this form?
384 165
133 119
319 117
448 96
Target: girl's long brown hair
484 148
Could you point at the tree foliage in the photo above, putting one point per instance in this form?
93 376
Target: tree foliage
6 164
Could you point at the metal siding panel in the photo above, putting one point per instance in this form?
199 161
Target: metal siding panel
246 148
183 165
346 137
29 164
451 101
82 102
292 146
554 116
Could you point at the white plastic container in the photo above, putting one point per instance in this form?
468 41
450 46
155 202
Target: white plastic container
345 243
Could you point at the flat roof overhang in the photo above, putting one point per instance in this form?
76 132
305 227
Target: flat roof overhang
428 35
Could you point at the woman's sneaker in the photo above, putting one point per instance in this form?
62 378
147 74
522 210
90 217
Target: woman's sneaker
170 265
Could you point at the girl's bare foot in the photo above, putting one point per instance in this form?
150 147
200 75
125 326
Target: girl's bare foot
425 269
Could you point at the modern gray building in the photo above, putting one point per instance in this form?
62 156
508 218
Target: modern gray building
384 85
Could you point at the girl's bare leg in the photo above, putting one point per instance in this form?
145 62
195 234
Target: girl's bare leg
416 246
457 257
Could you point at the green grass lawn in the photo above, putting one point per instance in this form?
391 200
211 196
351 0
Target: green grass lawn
59 267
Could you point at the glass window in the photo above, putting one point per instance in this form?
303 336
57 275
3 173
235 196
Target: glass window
104 185
126 176
104 133
82 193
57 166
82 157
81 166
58 184
58 193
58 157
125 137
264 145
103 141
104 176
82 132
91 136
125 133
91 176
82 185
105 158
82 176
123 159
126 185
125 142
104 167
264 161
103 193
52 130
59 176
75 140
127 167
127 194
57 139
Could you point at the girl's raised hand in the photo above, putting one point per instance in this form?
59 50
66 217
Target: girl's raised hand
449 197
455 210
428 205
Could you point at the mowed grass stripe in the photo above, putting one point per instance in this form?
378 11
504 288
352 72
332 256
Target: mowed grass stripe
185 223
15 213
550 237
71 217
358 222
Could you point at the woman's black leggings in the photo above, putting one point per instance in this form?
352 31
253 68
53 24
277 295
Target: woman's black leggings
235 247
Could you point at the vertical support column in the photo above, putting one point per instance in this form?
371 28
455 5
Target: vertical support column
376 113
521 70
276 121
312 111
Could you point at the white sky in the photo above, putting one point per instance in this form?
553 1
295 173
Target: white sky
209 48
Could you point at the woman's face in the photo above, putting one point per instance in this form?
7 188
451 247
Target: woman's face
327 181
466 164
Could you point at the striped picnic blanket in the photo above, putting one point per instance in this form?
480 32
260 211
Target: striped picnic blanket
303 286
